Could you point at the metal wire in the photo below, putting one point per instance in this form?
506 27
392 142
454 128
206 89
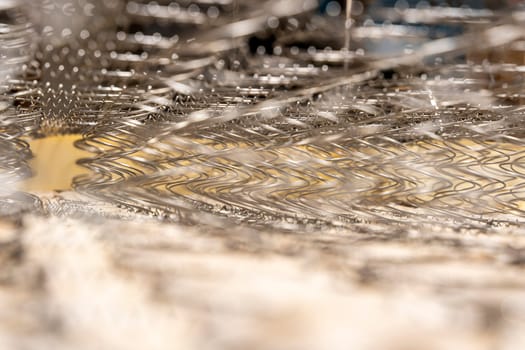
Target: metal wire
250 112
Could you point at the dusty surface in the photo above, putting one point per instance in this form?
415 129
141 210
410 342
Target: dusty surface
89 283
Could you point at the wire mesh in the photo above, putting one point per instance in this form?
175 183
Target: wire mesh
257 112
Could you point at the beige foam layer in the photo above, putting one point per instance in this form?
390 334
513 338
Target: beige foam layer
54 163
